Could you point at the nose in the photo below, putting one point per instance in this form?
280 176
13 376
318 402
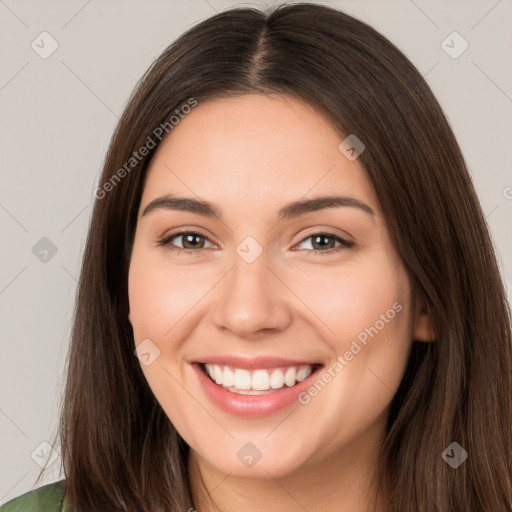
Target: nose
252 299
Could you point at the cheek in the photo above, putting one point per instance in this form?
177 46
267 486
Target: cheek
151 301
159 298
364 314
159 295
350 299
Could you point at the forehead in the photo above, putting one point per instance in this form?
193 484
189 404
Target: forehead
252 150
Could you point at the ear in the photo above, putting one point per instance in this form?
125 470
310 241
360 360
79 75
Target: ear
423 329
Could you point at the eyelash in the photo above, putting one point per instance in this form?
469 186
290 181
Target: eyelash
178 250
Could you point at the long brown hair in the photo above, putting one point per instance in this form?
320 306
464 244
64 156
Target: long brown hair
119 449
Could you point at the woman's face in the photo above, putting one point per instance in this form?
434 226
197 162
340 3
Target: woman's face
265 290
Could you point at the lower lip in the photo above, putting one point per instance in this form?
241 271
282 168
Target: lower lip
251 406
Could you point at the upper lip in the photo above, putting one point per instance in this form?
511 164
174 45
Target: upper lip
253 362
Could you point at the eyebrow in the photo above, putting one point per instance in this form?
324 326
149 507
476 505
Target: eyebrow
289 211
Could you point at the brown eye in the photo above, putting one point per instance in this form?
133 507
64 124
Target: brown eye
190 240
324 243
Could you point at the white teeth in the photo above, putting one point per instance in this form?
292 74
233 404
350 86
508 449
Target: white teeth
260 380
218 375
246 391
257 381
229 377
242 379
277 379
289 376
303 373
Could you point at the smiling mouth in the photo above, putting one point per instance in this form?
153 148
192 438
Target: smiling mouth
257 381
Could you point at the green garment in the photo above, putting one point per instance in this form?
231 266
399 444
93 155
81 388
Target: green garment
48 498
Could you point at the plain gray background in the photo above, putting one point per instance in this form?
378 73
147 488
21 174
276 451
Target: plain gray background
57 115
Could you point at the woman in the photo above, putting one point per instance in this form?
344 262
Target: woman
217 376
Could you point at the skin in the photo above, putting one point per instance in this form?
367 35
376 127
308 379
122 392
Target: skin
250 155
